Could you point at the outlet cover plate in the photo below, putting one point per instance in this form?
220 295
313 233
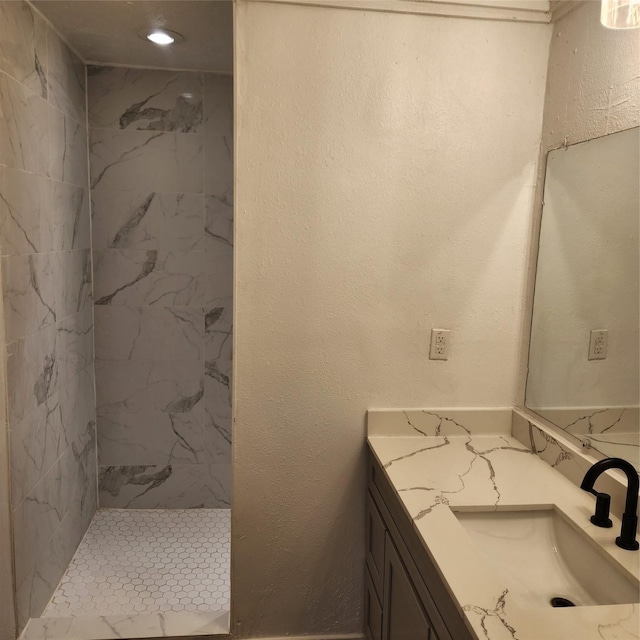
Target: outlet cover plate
439 344
598 339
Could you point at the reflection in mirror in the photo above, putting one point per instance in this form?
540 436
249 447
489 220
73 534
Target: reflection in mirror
584 354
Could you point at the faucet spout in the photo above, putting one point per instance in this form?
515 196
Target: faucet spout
627 537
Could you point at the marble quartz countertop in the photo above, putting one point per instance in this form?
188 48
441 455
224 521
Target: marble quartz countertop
437 470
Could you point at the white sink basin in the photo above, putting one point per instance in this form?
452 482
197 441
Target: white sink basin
541 556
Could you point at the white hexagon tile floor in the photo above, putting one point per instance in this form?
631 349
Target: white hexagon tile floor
142 561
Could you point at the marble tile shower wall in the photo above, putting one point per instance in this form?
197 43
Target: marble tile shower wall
46 285
161 185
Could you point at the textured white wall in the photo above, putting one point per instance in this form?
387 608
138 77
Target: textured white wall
593 89
593 84
385 176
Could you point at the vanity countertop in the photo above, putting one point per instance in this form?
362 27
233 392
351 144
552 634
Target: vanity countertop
432 474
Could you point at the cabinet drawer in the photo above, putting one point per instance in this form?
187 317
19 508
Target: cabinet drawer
375 544
372 609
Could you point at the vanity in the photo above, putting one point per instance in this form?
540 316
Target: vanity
476 524
401 579
464 528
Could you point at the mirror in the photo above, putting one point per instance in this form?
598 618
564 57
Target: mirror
584 353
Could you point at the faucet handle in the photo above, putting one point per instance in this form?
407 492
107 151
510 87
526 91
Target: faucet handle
627 538
601 517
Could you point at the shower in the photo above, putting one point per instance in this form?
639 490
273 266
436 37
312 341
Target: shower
116 236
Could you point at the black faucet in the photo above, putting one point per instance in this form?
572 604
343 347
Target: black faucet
627 537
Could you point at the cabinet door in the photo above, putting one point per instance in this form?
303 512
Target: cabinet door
403 615
372 610
375 544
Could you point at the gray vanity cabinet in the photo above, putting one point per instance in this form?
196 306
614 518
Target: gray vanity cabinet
404 618
372 610
402 602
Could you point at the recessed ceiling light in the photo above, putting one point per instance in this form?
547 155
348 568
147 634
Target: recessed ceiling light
163 37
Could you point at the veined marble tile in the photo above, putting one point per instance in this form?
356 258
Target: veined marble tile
217 424
149 333
24 212
90 506
77 408
218 166
42 542
68 149
70 217
65 540
67 90
73 281
24 131
37 517
29 288
170 624
219 221
32 372
438 422
163 278
218 104
37 441
219 485
41 218
74 344
62 546
140 387
147 220
217 437
40 580
218 380
219 276
81 489
145 99
23 46
154 438
218 326
146 161
178 486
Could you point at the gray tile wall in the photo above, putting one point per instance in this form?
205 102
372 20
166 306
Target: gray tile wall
161 189
46 285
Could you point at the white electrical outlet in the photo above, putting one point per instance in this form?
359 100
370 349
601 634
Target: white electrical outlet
439 344
598 344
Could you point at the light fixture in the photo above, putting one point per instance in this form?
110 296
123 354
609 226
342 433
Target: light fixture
162 37
620 14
